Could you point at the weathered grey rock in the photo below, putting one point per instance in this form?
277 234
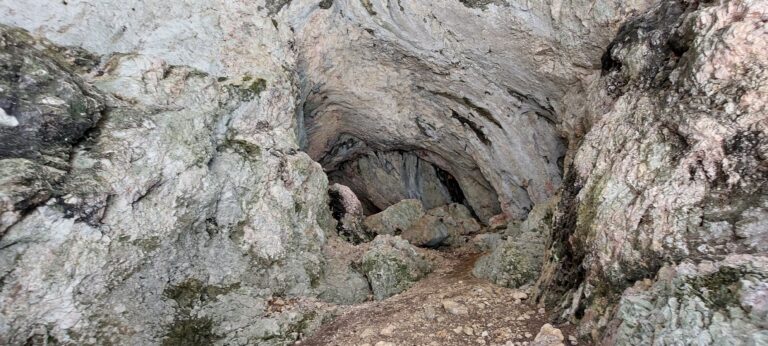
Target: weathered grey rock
348 212
180 212
518 260
710 303
392 265
47 110
447 224
548 336
670 141
395 219
171 221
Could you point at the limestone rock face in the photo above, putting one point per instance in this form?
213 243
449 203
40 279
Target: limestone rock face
672 167
395 219
709 303
392 265
172 220
46 110
468 86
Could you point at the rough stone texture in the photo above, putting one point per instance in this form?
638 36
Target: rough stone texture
392 265
517 260
709 303
172 221
673 164
395 219
548 336
46 111
348 212
342 282
450 224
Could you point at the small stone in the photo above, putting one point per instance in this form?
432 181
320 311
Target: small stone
385 343
484 333
542 311
367 332
469 331
520 295
457 330
549 336
387 331
573 340
528 335
454 308
429 313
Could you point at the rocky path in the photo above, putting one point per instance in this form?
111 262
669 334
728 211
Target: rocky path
449 307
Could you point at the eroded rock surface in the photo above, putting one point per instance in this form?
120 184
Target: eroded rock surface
392 265
672 167
395 219
173 220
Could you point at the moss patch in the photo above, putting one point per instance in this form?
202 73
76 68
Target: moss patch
368 6
718 290
190 331
192 291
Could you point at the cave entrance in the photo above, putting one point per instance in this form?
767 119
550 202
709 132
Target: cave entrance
383 178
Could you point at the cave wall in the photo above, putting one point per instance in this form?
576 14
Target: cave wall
469 87
660 232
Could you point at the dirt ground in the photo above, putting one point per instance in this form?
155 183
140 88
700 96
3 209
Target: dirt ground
448 307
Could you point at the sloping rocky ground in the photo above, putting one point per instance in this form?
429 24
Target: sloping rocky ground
165 167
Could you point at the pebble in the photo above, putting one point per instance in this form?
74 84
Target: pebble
455 308
429 313
520 295
387 331
468 330
367 332
573 340
528 335
385 343
549 336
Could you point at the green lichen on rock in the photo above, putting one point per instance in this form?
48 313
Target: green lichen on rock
514 263
718 290
368 5
192 291
479 3
190 331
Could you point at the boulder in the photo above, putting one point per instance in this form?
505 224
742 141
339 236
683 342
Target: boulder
445 225
392 265
348 212
395 219
518 260
548 336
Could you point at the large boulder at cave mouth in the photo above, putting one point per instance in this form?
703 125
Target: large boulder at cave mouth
392 265
348 212
518 260
342 282
444 225
396 218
